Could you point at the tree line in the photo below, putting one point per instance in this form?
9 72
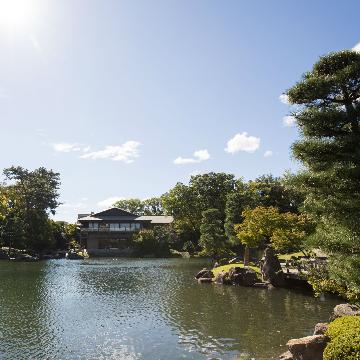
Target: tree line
218 215
317 207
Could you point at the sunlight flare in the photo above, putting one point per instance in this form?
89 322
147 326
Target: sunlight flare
15 14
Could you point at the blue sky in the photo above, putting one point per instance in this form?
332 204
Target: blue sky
125 98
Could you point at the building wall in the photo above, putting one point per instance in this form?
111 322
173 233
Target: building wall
92 243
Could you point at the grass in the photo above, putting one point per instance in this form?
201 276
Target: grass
227 267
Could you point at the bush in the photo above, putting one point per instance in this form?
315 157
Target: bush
344 334
154 242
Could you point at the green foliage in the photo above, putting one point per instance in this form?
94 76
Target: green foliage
154 242
284 231
344 334
328 115
323 279
26 202
236 203
268 190
152 206
212 239
187 202
63 234
264 191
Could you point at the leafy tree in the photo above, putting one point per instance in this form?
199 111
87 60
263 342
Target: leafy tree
151 206
134 206
284 231
32 196
328 116
181 203
212 238
268 190
212 189
187 202
236 203
155 242
63 233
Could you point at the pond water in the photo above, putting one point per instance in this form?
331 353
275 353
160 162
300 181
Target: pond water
143 309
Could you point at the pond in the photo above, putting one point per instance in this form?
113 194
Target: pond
143 309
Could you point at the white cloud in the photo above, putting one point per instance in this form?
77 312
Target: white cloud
109 202
356 47
126 152
284 99
289 121
66 147
242 142
198 156
268 153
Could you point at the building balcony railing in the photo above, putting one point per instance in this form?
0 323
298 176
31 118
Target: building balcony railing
108 230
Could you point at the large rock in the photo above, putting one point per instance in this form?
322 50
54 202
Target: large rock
221 278
308 348
320 328
204 273
242 276
271 269
345 310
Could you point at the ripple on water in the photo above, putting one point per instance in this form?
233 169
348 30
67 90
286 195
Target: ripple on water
142 309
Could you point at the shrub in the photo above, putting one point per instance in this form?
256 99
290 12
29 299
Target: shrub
344 336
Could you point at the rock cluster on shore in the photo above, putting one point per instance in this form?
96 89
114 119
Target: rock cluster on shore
312 347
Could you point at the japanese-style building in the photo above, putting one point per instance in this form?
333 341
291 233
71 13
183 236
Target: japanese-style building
110 232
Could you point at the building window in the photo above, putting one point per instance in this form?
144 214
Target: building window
124 227
114 227
135 227
93 226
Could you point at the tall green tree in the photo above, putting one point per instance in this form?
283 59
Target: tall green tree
236 203
151 206
211 190
33 196
134 206
268 190
327 112
212 239
187 202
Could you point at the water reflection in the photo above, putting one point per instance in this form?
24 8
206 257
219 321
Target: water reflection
142 309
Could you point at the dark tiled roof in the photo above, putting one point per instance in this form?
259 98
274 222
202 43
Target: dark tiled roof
116 214
160 219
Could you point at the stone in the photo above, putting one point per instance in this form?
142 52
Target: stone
221 277
320 328
261 285
271 269
345 310
242 276
308 348
285 356
204 273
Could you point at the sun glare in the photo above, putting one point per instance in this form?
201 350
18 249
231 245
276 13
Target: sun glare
16 13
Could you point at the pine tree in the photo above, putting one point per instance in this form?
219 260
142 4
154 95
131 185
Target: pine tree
328 116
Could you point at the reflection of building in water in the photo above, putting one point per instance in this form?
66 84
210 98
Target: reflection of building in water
110 231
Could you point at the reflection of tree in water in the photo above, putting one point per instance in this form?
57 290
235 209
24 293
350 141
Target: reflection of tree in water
100 308
238 319
24 330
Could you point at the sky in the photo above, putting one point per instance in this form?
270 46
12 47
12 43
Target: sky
125 98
